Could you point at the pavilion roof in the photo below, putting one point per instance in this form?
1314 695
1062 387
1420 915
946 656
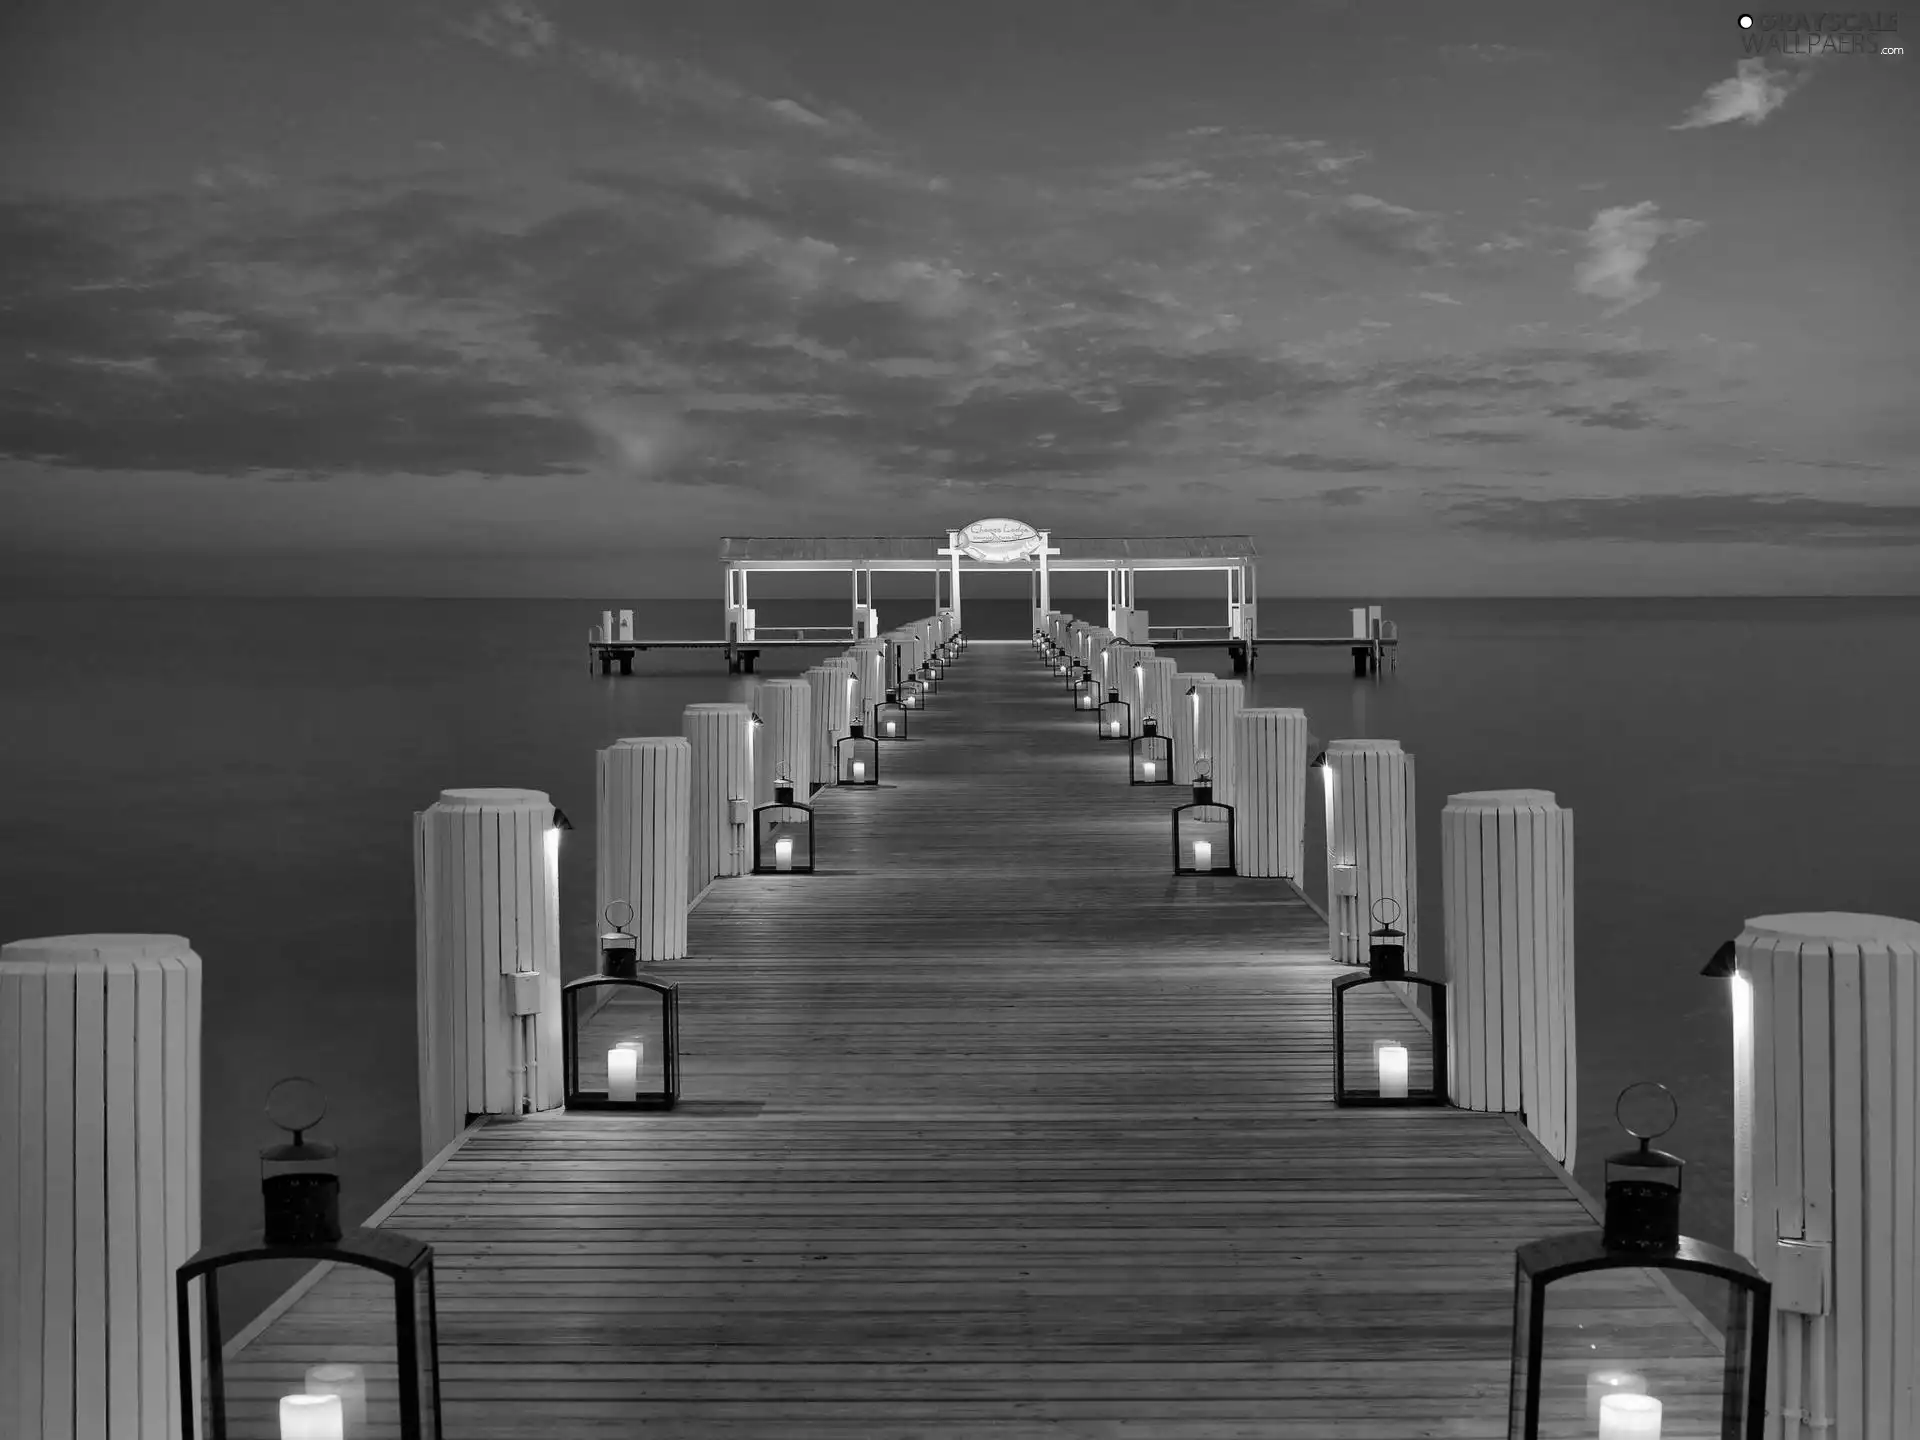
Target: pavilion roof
925 547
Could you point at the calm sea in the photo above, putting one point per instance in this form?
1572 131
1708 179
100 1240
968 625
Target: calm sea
244 773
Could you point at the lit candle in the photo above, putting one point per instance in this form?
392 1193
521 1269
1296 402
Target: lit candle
1602 1383
1203 855
349 1382
1147 765
1629 1417
783 854
1391 1060
890 728
859 771
623 1070
311 1417
1113 727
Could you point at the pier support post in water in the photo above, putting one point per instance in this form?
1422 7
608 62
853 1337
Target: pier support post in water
640 832
1507 861
1269 795
1183 729
99 1181
1826 1119
1220 701
486 886
719 837
1368 787
786 707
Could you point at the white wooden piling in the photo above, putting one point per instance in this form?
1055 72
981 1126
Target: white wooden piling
1130 674
99 1181
785 739
1185 736
1368 788
641 832
1157 692
719 829
487 937
870 664
1220 701
835 696
1506 861
1826 1017
1269 794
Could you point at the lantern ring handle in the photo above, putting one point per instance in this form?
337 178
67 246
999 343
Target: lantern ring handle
1646 1133
1386 900
607 914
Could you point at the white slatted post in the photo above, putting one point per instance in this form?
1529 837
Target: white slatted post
1506 859
99 1181
836 706
822 685
870 664
1157 681
1220 701
1130 664
1269 795
1185 711
641 829
1826 1021
487 924
785 740
719 834
1369 798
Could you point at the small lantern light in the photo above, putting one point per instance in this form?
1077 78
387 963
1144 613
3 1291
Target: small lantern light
1086 694
638 1038
1116 718
912 694
783 834
300 1190
929 675
1202 830
1063 663
1150 756
1408 1060
890 718
856 757
1583 1352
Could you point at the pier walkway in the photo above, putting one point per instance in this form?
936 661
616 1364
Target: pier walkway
992 1128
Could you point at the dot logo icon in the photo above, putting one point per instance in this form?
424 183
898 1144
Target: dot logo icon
1746 22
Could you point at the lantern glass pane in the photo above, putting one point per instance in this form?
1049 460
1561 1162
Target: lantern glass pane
1155 751
1208 827
786 837
1618 1331
632 1019
1386 1051
357 1362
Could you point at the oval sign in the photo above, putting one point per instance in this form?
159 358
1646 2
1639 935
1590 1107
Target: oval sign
999 541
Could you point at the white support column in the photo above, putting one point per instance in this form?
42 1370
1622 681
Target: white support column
1369 795
870 664
719 837
486 907
1130 663
1046 549
1185 718
1506 858
99 1181
1269 795
836 694
644 789
787 708
1220 701
746 610
953 541
1826 1026
1157 695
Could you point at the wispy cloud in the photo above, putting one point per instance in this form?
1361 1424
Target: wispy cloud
1795 520
1619 242
1382 228
1491 53
1750 94
1437 297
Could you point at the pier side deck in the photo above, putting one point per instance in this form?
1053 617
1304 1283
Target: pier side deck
992 1127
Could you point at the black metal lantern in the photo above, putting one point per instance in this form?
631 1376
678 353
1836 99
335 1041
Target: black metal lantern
1409 1047
1150 756
1086 694
929 676
391 1386
1116 718
1591 1350
643 1038
1202 833
856 757
913 694
783 834
890 718
1063 663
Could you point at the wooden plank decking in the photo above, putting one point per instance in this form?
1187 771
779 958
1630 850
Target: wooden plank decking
992 1128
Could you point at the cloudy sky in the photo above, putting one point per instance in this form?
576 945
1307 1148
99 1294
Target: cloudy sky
543 298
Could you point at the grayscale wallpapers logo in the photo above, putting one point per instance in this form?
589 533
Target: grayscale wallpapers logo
1822 32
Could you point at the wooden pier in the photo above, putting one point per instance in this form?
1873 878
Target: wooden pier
991 1128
